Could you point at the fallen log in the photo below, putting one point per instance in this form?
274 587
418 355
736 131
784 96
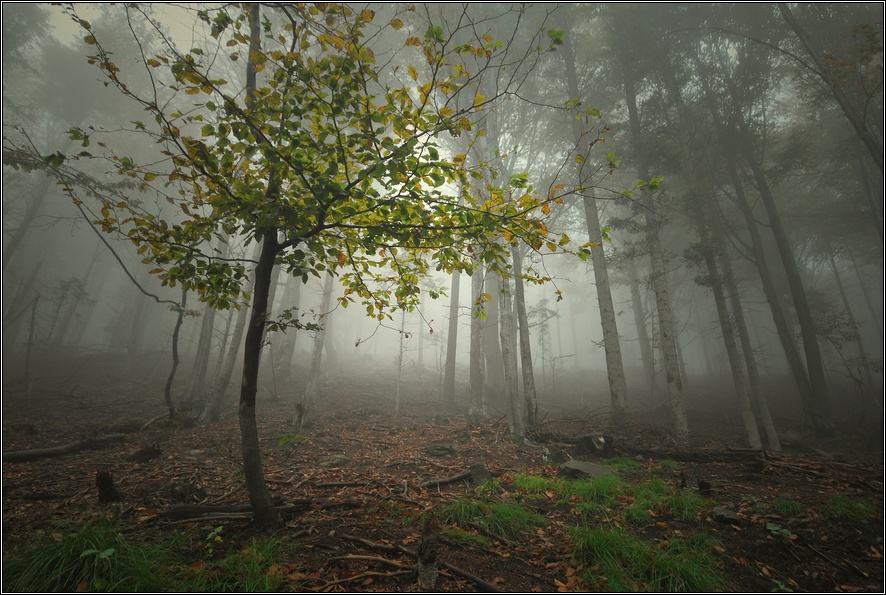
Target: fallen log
24 456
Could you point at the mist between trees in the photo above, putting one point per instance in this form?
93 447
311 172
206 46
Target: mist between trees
603 207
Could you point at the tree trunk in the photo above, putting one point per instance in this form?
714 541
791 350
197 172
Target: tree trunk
477 402
286 345
611 342
735 363
451 344
820 404
196 393
642 331
679 423
516 424
214 403
265 514
495 374
313 386
761 406
529 397
28 218
400 351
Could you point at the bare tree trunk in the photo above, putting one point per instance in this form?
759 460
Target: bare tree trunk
679 423
529 397
25 224
313 386
642 331
761 406
611 342
286 345
400 351
736 365
196 393
509 358
477 402
820 402
495 375
451 344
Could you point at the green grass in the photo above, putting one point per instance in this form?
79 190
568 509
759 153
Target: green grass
619 561
533 484
603 489
788 508
98 556
507 520
93 557
462 535
620 464
847 509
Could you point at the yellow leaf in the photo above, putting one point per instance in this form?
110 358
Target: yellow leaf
397 24
546 209
367 15
579 158
447 111
459 159
413 41
479 100
413 73
564 239
153 63
192 90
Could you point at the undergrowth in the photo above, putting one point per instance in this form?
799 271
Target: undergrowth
98 556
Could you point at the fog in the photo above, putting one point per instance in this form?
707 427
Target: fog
713 173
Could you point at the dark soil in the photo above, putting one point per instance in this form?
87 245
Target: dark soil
373 497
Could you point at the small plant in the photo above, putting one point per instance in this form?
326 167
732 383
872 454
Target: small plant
780 587
780 532
846 509
788 508
212 539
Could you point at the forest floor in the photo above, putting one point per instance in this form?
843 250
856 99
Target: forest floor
809 518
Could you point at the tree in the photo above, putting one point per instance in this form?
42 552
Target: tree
330 163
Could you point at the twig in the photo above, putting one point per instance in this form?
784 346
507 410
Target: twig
368 573
400 565
837 564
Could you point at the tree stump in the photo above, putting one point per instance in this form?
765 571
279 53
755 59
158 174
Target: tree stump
107 491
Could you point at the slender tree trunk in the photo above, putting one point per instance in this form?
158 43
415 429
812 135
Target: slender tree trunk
735 363
286 346
196 393
820 402
400 352
642 331
875 315
313 386
451 345
477 402
679 423
223 377
167 390
611 342
25 224
265 514
865 362
529 397
516 423
495 375
761 406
